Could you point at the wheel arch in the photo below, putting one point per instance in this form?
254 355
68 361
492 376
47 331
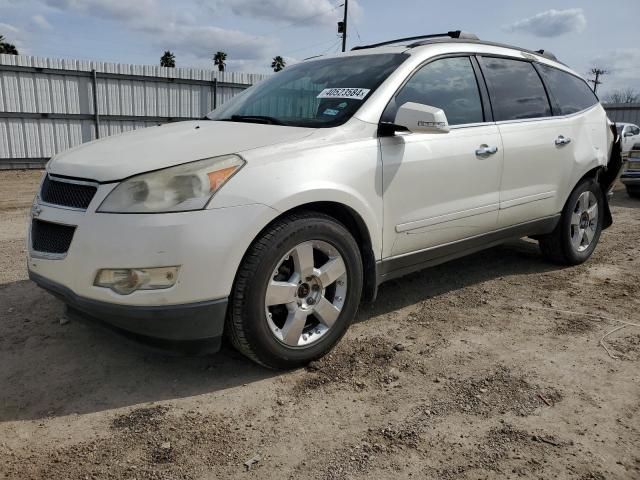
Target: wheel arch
355 223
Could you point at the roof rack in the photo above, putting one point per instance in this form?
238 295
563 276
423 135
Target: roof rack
453 34
546 54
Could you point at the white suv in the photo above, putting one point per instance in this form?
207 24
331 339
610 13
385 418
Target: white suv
271 219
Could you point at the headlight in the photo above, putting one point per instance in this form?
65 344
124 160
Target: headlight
175 189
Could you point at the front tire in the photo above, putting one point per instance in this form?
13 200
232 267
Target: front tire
633 192
575 237
296 292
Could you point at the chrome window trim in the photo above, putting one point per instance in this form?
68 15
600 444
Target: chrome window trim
552 117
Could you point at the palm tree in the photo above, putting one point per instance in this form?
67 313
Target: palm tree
219 60
6 47
168 60
278 63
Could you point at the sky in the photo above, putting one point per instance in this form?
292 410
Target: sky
582 34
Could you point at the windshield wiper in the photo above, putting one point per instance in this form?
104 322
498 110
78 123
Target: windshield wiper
255 119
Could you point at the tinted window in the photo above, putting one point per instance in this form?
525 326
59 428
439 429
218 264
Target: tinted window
569 94
317 93
515 88
449 84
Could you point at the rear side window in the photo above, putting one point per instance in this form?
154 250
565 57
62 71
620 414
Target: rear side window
449 84
515 88
569 94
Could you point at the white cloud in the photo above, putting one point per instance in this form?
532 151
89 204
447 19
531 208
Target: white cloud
114 9
41 22
171 28
551 23
293 12
203 41
288 11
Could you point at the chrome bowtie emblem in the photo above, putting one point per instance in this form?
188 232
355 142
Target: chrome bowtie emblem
35 211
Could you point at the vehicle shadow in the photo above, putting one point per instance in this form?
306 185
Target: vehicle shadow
53 368
518 257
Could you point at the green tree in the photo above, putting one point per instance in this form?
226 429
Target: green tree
278 63
219 59
6 47
168 59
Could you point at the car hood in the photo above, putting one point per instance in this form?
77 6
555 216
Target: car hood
153 148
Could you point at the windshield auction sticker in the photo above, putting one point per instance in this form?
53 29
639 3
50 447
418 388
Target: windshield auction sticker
353 93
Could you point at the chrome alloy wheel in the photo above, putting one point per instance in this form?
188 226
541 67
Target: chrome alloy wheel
306 293
584 221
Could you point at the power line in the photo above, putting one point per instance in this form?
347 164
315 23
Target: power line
333 41
354 26
334 46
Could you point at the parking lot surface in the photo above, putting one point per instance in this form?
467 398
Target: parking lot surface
487 367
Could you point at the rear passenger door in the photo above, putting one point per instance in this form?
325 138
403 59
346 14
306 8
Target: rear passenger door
536 146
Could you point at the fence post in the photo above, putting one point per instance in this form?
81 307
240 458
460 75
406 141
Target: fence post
215 93
94 77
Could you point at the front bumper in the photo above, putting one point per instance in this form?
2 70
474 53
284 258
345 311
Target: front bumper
207 246
201 321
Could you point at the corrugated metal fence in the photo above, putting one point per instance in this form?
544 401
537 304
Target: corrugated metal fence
624 112
49 105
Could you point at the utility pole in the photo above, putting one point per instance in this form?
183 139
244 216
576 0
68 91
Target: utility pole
344 26
597 73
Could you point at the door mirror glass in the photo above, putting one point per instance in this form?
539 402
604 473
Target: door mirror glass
419 118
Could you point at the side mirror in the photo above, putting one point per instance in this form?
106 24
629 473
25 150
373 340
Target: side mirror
419 118
628 134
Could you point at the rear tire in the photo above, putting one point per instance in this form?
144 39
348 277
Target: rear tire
575 237
296 292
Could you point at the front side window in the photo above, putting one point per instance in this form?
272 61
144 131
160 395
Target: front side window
515 88
449 84
569 94
318 93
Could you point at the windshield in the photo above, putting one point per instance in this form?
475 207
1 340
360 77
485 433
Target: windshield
319 93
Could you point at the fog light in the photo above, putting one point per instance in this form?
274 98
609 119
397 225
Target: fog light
127 280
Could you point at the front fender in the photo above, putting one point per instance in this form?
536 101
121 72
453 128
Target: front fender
335 194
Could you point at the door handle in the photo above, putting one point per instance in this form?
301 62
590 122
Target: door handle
486 150
562 140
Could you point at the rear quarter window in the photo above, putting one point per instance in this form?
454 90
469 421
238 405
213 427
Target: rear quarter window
515 88
569 94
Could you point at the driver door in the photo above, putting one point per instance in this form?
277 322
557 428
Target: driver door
439 188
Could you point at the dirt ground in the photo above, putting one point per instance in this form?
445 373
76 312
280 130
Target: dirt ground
487 367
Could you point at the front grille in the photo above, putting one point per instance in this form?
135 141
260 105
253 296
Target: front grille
49 237
73 195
